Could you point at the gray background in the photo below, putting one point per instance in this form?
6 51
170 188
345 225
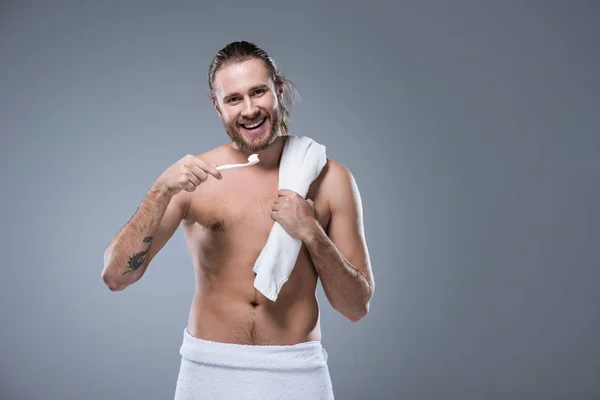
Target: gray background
471 129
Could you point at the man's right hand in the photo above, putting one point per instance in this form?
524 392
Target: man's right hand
187 174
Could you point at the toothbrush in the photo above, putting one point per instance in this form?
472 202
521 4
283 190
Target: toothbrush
252 159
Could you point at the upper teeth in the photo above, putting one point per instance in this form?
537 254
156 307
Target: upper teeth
255 124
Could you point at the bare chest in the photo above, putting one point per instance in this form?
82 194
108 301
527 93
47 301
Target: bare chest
239 207
235 204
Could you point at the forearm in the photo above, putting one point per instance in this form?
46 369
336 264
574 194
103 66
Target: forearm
125 258
348 291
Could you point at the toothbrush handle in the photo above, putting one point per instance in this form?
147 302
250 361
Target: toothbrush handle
225 167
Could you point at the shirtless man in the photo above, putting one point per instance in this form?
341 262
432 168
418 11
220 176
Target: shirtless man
227 217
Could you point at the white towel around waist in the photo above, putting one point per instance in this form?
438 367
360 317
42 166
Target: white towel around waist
215 370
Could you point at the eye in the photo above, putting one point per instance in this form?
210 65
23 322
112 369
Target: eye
259 91
232 99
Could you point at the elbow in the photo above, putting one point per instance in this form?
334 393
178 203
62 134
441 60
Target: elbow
114 287
108 275
112 284
115 279
358 313
362 310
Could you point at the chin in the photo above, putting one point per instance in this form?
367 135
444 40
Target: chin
258 145
258 141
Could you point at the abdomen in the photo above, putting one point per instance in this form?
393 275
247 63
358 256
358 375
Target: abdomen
227 307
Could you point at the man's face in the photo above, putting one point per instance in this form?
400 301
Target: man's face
247 102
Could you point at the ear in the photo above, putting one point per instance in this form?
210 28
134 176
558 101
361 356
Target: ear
280 90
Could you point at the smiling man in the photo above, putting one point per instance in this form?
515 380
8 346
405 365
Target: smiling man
238 344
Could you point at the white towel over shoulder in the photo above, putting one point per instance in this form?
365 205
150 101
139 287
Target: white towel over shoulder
301 163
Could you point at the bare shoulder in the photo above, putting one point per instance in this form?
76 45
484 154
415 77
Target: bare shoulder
338 183
214 155
336 170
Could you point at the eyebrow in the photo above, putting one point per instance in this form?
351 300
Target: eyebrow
253 88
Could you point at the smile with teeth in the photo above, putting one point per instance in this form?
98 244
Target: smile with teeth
255 125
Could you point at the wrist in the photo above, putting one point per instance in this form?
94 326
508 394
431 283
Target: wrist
161 188
310 231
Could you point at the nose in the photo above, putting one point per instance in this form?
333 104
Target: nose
250 110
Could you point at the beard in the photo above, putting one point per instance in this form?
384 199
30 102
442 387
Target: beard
234 133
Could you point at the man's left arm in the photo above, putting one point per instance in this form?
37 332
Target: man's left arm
340 254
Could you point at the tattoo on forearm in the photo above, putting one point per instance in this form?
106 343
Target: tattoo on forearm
137 259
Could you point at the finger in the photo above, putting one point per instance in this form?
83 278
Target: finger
189 166
199 173
190 187
288 193
185 181
208 168
192 178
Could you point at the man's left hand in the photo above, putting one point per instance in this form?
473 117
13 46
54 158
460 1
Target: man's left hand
295 214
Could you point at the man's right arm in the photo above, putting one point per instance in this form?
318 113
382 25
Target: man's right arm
135 245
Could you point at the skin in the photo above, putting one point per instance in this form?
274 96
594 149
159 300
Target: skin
226 223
